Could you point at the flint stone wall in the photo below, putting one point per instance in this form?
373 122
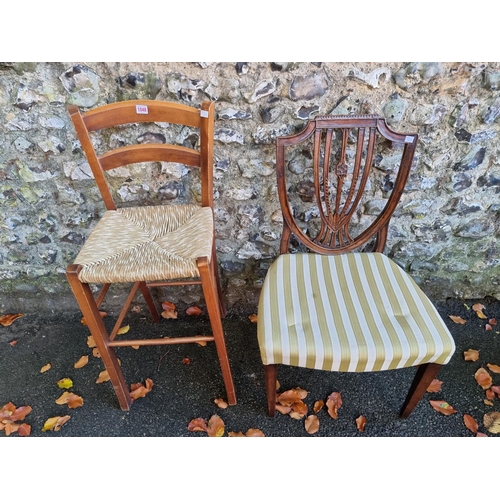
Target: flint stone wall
445 230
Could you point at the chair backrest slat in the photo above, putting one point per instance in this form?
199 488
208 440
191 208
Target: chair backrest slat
344 150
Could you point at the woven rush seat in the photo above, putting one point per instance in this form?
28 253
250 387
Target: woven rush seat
147 244
307 319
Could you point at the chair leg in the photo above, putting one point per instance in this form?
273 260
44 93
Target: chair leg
215 270
90 311
213 305
424 376
271 373
149 301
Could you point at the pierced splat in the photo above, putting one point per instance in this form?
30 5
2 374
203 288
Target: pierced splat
344 149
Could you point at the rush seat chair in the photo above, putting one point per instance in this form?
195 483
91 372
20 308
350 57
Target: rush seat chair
148 246
332 300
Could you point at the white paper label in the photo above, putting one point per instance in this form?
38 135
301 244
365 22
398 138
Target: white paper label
408 138
203 113
141 109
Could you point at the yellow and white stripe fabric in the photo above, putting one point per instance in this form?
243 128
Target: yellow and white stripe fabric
355 312
147 244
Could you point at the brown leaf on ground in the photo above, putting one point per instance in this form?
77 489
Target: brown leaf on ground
493 368
443 407
492 422
492 321
360 423
496 389
301 392
238 434
81 362
103 377
215 426
169 314
186 361
487 402
481 435
221 403
254 433
311 424
96 353
284 410
197 425
334 403
168 306
45 368
13 342
91 342
435 386
289 397
140 390
203 343
471 423
489 394
20 413
55 423
253 318
471 355
8 319
479 308
483 378
103 314
193 311
318 405
300 408
72 400
488 327
24 430
458 320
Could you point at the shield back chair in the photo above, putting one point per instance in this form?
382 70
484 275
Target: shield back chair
148 246
332 300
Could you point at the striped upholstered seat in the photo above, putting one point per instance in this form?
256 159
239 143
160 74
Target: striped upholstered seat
355 312
153 243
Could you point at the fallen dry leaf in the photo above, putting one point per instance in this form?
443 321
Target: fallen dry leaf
91 342
483 378
123 330
299 410
139 390
221 403
489 394
492 422
8 319
443 407
193 311
334 403
481 435
496 389
186 361
253 318
96 353
487 402
103 377
65 383
360 423
493 368
72 400
471 423
284 410
24 430
197 425
238 434
203 343
488 327
435 386
254 433
479 310
471 355
55 423
458 320
169 314
311 424
103 314
318 405
168 306
289 397
45 368
81 362
215 426
492 321
13 342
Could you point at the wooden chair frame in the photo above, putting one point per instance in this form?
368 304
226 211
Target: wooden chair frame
334 237
127 112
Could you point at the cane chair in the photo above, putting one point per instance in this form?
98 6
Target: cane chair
332 300
148 246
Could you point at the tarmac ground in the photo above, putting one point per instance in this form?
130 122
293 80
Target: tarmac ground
187 380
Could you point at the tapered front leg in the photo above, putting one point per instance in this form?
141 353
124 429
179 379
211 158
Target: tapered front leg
271 374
